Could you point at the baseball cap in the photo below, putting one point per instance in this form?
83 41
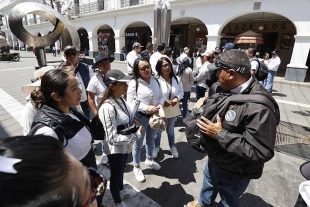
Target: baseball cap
36 81
220 63
70 47
113 76
305 170
229 46
275 51
136 44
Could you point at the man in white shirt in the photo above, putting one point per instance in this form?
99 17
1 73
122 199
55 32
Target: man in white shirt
254 63
156 56
273 67
133 55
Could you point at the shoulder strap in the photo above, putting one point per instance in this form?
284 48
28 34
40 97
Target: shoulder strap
114 108
254 98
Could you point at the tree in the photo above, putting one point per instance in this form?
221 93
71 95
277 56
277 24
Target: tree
61 7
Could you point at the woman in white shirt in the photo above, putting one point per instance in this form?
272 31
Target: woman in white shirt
172 90
145 88
115 114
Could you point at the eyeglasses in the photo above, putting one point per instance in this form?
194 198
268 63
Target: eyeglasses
147 67
166 66
68 54
98 185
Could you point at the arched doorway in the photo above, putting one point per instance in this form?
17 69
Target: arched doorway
187 32
83 34
137 32
106 40
277 31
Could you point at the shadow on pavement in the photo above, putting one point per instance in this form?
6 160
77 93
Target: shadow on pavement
250 200
165 201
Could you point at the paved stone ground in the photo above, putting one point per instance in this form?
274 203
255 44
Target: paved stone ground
179 181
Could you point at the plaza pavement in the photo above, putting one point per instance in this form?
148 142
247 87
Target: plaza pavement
179 181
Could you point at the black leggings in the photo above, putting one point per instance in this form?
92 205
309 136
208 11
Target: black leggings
117 164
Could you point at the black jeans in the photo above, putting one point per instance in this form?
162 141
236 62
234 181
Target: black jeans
117 165
85 108
200 92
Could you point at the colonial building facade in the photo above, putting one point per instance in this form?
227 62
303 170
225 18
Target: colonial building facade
110 25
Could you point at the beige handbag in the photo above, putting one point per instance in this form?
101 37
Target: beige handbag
157 122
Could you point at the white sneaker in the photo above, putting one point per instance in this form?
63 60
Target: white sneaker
122 204
139 174
128 193
155 152
104 159
152 164
174 152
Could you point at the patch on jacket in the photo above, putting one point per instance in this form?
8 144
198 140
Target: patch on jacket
230 115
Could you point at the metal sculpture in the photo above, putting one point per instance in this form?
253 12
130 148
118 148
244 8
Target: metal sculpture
162 22
63 28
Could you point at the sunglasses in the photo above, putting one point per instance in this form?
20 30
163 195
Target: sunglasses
70 54
166 66
98 185
145 68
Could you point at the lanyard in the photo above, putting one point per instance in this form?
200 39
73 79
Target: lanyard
169 88
125 111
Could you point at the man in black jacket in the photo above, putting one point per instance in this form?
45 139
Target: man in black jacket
240 138
146 54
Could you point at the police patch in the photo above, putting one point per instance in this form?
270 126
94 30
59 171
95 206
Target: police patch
230 115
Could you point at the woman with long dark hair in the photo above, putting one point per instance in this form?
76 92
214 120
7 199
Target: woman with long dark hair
37 171
144 88
172 90
115 115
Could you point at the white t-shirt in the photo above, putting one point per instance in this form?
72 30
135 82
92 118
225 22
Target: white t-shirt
131 57
254 64
97 86
28 115
78 146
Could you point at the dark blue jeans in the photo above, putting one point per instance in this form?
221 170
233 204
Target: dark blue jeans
117 165
229 186
185 99
85 108
200 92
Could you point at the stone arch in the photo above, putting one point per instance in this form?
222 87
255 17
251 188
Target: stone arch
252 12
124 27
105 37
83 34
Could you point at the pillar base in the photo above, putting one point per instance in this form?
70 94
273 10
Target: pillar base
118 56
296 74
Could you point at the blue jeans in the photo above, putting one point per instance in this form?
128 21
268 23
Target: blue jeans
200 92
150 137
170 133
269 80
185 99
229 186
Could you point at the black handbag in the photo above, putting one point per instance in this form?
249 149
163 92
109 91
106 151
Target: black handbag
97 130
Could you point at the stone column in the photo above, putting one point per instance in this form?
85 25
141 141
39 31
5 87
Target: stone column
119 43
57 46
297 69
213 41
93 44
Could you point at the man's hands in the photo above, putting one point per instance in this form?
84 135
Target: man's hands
208 128
200 102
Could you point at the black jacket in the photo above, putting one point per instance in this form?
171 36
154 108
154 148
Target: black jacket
245 143
64 126
145 54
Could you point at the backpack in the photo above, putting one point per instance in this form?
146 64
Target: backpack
211 78
262 70
218 104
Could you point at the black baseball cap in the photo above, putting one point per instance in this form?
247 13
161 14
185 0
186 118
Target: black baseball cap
113 76
275 51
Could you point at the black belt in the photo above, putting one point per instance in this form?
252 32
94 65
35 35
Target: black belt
144 114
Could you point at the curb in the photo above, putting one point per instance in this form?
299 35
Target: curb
293 83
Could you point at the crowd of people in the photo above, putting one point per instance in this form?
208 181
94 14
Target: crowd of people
58 114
